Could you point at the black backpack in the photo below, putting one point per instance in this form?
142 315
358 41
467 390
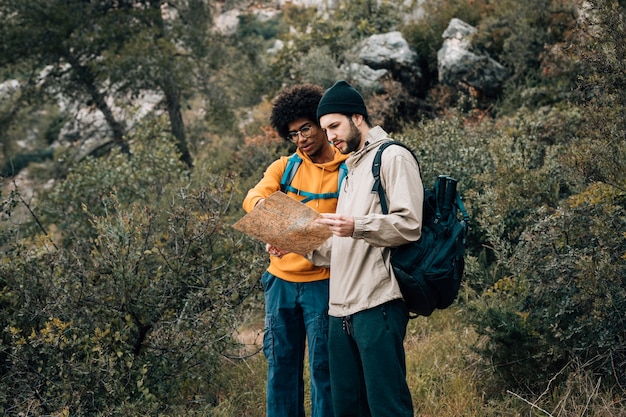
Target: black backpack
429 270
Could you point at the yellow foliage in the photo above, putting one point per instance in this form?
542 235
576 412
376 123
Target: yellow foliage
596 193
505 285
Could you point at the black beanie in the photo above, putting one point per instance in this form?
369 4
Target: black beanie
341 98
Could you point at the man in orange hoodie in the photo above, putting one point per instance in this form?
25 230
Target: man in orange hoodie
296 291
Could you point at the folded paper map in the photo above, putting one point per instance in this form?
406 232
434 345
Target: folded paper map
285 223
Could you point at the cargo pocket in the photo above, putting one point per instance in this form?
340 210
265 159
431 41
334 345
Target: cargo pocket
319 346
268 340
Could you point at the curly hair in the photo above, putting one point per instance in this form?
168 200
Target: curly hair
293 103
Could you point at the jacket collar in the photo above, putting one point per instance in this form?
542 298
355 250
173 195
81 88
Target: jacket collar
375 137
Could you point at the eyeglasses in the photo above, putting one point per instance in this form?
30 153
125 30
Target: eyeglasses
305 132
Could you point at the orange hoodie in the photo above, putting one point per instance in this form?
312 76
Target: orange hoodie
310 177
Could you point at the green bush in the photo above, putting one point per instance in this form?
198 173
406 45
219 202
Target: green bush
20 161
506 170
557 296
568 275
142 177
135 311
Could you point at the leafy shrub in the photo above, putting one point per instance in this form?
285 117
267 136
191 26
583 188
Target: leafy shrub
317 66
598 150
568 271
140 178
555 307
132 314
516 34
256 153
505 170
21 161
449 145
251 26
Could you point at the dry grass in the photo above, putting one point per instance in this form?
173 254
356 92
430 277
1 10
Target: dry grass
440 366
445 379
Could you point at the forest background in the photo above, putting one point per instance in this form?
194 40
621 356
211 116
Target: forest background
125 292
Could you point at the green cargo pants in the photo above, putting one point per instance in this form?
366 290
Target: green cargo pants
367 363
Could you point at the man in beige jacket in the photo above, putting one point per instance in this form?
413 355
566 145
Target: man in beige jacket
368 317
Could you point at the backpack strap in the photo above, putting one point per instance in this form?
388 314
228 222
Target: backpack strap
378 187
461 206
293 163
447 197
343 173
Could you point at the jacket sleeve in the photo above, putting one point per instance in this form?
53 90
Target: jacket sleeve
269 184
321 255
404 192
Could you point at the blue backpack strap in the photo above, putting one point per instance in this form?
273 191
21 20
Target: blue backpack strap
343 173
461 207
293 163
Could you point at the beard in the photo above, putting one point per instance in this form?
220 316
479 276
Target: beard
353 141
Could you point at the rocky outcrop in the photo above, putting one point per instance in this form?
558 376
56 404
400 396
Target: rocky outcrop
7 89
364 75
227 22
461 68
87 128
381 55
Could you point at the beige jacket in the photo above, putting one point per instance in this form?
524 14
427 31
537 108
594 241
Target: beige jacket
361 276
